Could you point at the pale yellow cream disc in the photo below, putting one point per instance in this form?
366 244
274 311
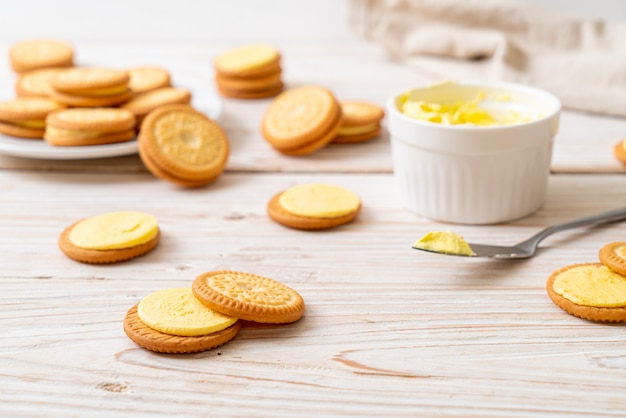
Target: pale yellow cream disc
176 311
115 230
591 285
316 200
246 58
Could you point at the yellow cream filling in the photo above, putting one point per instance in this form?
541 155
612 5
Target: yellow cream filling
108 91
34 124
463 112
69 133
357 130
592 286
444 242
115 230
176 311
316 200
246 58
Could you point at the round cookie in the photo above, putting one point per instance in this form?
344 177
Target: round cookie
110 238
591 291
248 60
361 122
301 120
40 53
178 142
620 151
314 207
143 79
89 126
36 83
144 103
613 256
160 342
25 117
249 297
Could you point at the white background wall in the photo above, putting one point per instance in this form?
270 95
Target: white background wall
207 20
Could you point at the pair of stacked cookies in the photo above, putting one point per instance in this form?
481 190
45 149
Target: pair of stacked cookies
593 291
209 314
304 119
249 72
183 146
314 206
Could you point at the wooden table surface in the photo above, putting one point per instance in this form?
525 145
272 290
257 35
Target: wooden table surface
388 331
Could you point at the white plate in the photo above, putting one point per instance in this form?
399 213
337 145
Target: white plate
210 104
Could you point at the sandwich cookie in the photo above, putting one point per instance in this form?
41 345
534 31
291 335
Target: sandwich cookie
174 321
360 122
183 146
314 206
248 296
26 117
110 238
143 79
144 103
89 126
40 53
591 291
301 120
36 83
249 72
91 87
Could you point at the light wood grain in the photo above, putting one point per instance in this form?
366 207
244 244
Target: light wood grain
387 330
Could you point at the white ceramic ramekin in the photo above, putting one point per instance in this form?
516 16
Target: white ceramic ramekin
474 174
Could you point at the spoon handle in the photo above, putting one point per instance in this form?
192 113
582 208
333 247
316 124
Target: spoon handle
601 218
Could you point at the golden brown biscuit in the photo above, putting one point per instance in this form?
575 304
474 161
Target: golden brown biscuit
301 120
36 83
595 277
89 126
144 103
620 151
160 342
143 79
613 256
91 87
251 93
248 296
40 53
178 142
361 122
26 116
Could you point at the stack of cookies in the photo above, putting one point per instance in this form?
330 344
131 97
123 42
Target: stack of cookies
593 291
249 72
207 315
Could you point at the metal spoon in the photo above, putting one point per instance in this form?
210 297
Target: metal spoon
528 248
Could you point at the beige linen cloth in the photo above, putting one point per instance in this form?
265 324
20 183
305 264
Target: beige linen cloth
581 60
